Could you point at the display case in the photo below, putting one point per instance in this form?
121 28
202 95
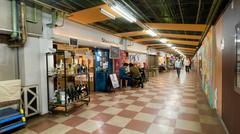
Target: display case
70 82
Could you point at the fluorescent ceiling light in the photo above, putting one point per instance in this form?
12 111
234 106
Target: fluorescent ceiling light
151 32
163 40
107 14
237 40
123 13
169 45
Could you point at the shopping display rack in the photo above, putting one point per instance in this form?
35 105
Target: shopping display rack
11 119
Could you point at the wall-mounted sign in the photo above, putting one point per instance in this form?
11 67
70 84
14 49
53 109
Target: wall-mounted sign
73 42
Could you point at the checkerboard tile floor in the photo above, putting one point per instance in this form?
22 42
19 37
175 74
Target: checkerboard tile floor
167 105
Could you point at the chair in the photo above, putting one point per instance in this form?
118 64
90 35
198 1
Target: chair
121 82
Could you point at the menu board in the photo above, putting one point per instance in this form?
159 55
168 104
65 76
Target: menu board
114 80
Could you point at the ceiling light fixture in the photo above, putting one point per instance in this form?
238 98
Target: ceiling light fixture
151 32
119 10
106 13
163 40
169 45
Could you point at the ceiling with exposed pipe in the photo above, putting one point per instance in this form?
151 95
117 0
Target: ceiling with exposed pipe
182 22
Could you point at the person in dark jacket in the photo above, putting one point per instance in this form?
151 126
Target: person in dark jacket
123 74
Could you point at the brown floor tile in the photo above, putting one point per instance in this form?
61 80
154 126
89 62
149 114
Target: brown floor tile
150 110
99 108
157 101
207 112
121 105
74 121
76 131
128 114
132 98
190 117
140 126
102 117
181 131
42 125
108 129
139 103
212 129
189 105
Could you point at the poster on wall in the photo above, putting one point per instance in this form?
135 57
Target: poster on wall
206 68
114 52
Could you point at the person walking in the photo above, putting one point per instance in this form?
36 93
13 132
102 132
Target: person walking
178 66
187 64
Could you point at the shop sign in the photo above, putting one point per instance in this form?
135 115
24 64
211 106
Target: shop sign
81 51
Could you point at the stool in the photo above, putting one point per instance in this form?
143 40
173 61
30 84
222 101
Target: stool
121 82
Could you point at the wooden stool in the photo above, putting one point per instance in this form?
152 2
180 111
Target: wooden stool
121 82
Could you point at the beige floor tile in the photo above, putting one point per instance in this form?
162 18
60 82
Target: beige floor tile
204 107
208 119
145 117
137 95
90 126
189 110
119 121
121 96
57 129
25 131
160 129
105 98
88 114
192 101
126 101
144 99
134 108
62 118
168 114
154 105
108 103
190 94
129 131
189 125
112 111
90 106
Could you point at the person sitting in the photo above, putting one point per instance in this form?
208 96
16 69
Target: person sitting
123 74
136 75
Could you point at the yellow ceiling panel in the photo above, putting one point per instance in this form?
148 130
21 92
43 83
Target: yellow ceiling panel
127 34
178 42
166 35
183 27
91 15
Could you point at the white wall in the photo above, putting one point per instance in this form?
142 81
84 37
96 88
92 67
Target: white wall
92 37
7 63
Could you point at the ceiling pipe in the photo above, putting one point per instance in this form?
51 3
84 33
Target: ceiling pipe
14 20
47 6
20 42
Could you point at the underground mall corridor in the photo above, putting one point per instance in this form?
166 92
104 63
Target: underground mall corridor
166 105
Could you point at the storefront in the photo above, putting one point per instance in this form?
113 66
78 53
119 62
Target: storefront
103 67
117 63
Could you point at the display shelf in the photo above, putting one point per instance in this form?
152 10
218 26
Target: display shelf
66 96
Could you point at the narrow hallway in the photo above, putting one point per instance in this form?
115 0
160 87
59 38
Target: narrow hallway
167 105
